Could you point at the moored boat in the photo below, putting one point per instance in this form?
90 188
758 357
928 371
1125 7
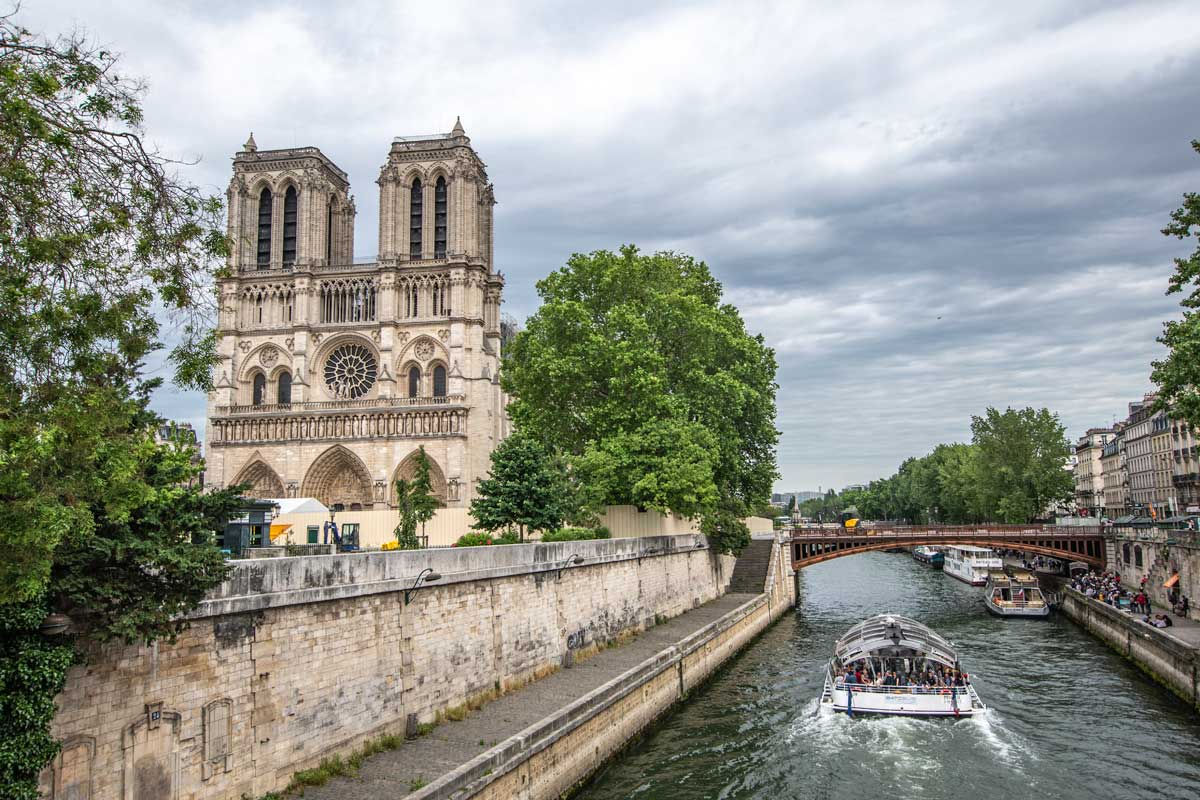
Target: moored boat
889 664
1015 595
929 555
970 564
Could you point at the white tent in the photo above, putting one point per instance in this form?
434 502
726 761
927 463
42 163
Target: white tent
299 505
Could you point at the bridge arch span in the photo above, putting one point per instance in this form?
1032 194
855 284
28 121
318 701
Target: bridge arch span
813 547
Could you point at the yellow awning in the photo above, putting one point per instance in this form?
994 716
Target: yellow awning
1171 581
279 528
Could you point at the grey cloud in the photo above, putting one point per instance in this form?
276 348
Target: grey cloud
850 173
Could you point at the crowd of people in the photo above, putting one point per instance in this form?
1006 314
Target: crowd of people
919 674
1107 588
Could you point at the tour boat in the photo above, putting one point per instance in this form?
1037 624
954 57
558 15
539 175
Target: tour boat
970 564
892 644
1015 595
929 555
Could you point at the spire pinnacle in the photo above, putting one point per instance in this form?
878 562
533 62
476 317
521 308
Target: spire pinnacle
250 146
458 128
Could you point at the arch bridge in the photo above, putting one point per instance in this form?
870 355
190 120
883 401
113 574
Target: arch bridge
814 545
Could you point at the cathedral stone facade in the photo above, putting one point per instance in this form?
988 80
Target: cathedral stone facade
332 373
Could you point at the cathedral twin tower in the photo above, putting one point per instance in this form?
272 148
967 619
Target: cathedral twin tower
331 373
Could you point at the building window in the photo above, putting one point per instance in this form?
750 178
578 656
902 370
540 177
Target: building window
289 226
439 381
264 228
260 389
439 219
350 371
414 382
414 224
329 233
1137 555
1125 552
285 388
348 301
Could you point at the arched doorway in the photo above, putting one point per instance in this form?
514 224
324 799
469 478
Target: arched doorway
338 478
264 481
408 468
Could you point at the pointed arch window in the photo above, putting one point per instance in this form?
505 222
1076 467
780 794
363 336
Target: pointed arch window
289 226
329 233
439 381
439 218
264 228
414 220
284 393
414 382
260 389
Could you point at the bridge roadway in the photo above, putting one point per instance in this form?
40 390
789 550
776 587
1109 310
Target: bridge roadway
811 545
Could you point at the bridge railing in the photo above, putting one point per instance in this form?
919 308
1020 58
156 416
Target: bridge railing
947 531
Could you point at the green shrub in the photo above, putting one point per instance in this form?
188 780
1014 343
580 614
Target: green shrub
575 534
474 540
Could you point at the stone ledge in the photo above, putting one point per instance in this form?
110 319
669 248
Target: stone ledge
259 584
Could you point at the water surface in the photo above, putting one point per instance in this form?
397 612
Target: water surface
1069 718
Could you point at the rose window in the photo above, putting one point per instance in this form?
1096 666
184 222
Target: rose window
350 371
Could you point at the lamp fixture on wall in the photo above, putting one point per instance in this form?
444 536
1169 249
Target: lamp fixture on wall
426 576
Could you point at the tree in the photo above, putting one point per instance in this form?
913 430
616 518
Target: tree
636 371
791 506
94 231
1178 375
417 503
1019 458
527 489
97 519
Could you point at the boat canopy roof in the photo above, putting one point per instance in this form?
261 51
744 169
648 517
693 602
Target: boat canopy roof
893 635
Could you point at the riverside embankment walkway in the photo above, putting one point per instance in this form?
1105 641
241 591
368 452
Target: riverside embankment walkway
451 744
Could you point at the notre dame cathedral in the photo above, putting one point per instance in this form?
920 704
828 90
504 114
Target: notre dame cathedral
331 372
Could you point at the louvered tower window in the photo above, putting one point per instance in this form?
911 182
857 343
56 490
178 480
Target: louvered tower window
414 233
329 233
289 226
264 229
439 219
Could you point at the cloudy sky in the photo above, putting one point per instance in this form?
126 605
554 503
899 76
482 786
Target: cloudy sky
926 208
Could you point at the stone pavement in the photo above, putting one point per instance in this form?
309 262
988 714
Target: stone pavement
398 772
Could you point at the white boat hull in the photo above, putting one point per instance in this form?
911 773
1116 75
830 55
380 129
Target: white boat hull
904 701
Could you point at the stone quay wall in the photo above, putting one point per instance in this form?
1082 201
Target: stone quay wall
1170 661
1157 556
555 755
296 659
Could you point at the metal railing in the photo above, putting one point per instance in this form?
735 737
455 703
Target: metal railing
867 688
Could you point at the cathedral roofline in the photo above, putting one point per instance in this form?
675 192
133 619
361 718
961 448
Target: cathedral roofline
457 137
246 157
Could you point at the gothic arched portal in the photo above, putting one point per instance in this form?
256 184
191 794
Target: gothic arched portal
264 481
338 478
408 468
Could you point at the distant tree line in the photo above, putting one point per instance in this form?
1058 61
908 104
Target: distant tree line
1013 471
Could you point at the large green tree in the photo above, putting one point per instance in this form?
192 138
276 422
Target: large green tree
1178 375
97 518
528 489
636 370
1020 457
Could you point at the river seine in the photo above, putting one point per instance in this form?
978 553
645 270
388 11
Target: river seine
1068 719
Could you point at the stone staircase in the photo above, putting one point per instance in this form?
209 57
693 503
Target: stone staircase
750 571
